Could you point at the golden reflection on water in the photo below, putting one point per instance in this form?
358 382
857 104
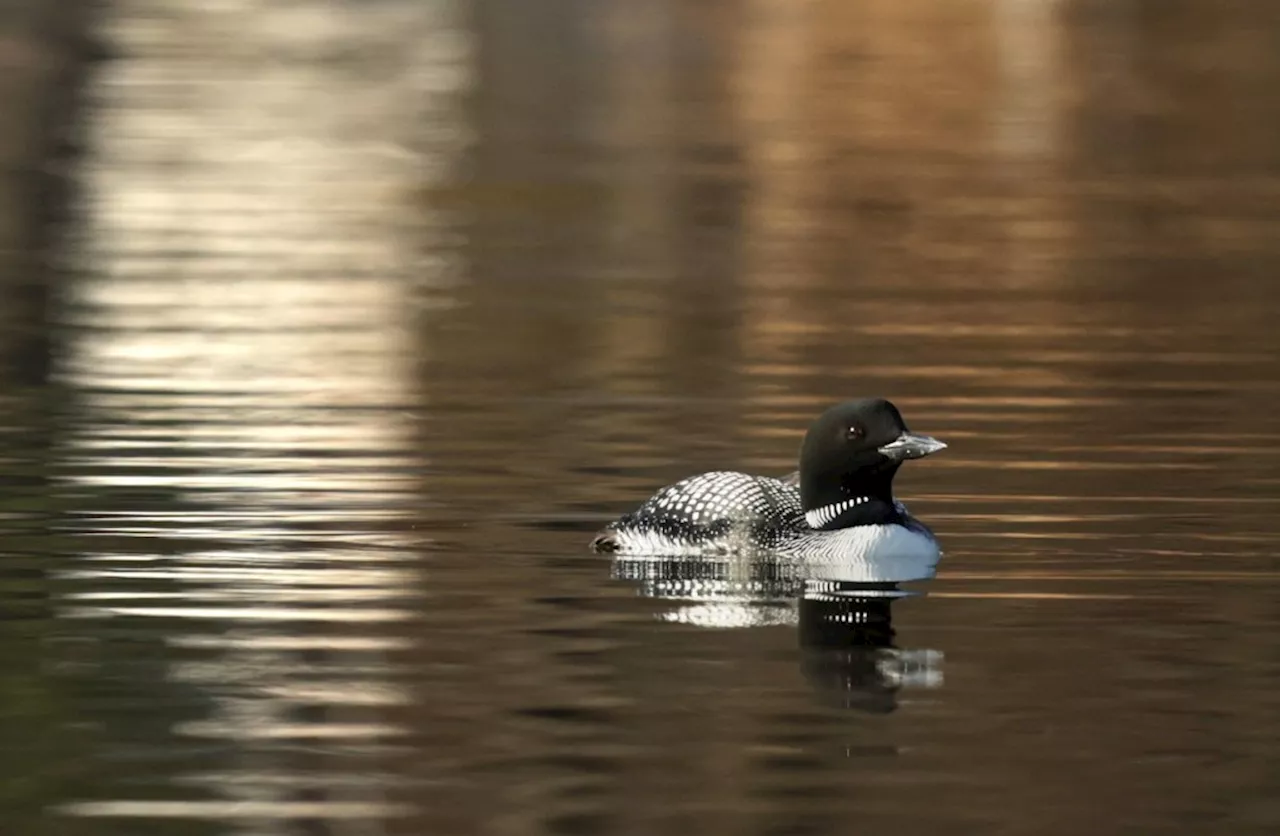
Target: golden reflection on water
233 812
242 356
305 540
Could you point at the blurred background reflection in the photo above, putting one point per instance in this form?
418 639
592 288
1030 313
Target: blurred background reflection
331 330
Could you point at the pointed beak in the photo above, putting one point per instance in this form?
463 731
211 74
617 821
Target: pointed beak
911 446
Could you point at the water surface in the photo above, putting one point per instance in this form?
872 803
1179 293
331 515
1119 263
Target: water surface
368 320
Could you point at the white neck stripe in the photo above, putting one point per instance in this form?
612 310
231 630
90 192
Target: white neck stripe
819 517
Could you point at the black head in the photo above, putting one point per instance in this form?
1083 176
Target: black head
853 450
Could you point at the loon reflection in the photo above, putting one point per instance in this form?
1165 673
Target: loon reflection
845 628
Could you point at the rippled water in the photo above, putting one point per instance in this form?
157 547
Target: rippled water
368 320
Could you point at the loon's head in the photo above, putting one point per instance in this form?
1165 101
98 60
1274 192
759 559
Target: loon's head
849 458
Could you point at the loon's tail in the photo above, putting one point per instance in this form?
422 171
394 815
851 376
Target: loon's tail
606 542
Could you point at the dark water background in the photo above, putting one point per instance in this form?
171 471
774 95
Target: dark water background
367 315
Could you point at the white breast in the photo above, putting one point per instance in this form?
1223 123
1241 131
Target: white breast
867 554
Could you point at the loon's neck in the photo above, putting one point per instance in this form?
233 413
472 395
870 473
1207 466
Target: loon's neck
845 500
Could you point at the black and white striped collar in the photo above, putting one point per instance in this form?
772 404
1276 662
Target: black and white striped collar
820 517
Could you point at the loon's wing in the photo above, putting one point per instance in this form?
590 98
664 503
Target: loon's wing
704 510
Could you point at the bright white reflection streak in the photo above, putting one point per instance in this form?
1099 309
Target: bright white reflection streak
242 341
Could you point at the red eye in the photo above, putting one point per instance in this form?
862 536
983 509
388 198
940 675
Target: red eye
855 432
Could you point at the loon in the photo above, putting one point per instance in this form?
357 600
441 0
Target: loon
839 507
